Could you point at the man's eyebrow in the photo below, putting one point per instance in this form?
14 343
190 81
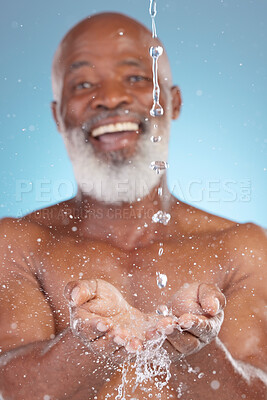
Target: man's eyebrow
131 62
79 64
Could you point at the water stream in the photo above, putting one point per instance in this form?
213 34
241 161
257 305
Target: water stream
152 363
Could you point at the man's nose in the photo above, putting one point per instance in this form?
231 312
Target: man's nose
110 95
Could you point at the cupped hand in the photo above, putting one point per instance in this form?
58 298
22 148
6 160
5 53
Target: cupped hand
100 316
199 312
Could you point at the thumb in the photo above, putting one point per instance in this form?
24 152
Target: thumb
79 292
211 299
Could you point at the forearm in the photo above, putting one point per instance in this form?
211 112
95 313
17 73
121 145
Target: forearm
213 373
59 368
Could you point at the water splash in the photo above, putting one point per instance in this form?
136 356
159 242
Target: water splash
153 362
161 280
122 387
159 166
161 217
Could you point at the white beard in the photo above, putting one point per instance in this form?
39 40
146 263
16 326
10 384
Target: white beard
120 179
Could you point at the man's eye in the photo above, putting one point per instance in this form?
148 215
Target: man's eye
137 78
83 85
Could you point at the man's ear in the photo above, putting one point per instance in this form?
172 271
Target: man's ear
54 112
176 101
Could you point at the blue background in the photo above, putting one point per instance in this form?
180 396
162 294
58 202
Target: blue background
218 150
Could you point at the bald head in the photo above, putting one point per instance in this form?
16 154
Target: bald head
105 29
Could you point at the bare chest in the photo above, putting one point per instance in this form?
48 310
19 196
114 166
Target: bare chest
147 277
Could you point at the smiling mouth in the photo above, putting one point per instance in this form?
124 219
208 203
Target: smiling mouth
115 135
117 128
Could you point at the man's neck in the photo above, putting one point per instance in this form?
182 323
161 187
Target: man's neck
127 225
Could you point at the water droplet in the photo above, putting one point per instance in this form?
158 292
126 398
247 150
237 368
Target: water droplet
155 139
215 385
161 280
159 166
163 310
161 217
160 251
155 51
200 375
156 110
153 8
153 12
160 191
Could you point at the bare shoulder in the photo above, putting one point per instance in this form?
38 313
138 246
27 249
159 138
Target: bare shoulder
199 222
20 231
56 215
242 246
247 245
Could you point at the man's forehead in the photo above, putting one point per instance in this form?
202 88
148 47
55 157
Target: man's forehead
106 27
105 30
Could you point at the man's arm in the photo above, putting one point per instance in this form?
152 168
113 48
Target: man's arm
241 354
34 362
245 325
59 368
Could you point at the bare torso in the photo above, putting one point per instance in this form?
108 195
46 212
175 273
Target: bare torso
59 251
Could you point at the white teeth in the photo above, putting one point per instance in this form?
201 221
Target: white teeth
119 127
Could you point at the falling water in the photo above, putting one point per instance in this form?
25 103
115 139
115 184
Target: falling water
155 53
159 166
153 362
161 217
155 139
153 12
161 280
157 110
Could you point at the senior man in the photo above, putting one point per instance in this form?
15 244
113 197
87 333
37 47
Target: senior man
79 289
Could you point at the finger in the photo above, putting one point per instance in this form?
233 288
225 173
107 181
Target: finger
124 338
166 325
186 300
211 299
88 325
133 345
204 328
121 335
184 342
79 292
